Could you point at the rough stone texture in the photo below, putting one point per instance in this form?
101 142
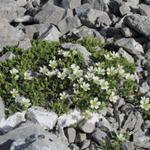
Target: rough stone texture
2 109
69 3
140 24
9 35
130 45
71 135
68 24
94 18
144 9
50 14
42 117
25 44
12 121
7 56
127 146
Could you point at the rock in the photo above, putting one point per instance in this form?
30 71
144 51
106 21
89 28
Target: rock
144 88
70 118
7 56
70 3
39 143
71 135
143 142
98 136
24 19
147 2
21 3
140 24
32 136
50 14
51 35
80 137
127 146
83 31
11 122
86 55
25 44
39 115
9 35
124 9
2 109
139 121
133 2
144 9
126 55
97 4
103 122
85 144
127 32
87 127
10 11
68 24
74 147
130 45
94 18
130 122
114 6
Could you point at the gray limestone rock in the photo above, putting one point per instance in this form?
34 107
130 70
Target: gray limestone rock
130 45
2 109
140 24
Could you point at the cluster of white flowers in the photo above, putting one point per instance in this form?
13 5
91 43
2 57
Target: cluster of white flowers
113 97
111 71
76 71
20 99
15 72
27 75
53 64
129 76
95 103
145 103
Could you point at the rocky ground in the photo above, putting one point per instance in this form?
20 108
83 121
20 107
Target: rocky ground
124 25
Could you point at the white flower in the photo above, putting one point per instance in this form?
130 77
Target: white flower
120 70
14 93
113 98
96 80
145 103
27 75
94 103
76 70
91 69
111 71
107 56
80 81
66 54
16 77
104 84
51 73
23 101
114 55
121 137
86 114
63 96
14 71
53 64
43 70
85 86
100 71
61 75
129 76
89 76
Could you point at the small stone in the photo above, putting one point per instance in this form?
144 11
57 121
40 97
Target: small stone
98 136
85 144
124 9
24 19
144 88
25 44
130 45
80 137
7 56
2 109
127 146
74 147
52 35
86 126
71 135
12 121
44 118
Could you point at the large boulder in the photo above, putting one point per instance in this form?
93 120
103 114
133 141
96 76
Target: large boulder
50 14
93 18
140 24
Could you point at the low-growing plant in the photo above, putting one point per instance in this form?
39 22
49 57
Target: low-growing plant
57 79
